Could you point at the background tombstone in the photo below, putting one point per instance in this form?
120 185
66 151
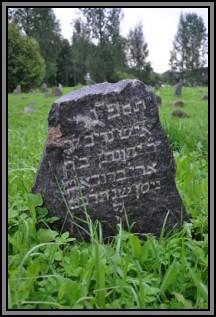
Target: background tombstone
204 97
56 91
180 114
178 103
157 85
48 94
106 142
44 88
88 79
17 90
29 110
178 88
31 90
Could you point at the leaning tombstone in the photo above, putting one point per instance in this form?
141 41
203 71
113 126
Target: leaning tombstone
178 88
107 154
44 88
56 91
17 90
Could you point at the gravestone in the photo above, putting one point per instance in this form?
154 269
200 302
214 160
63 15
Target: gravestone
88 79
29 110
17 90
107 152
44 88
48 94
157 86
178 103
204 97
178 88
31 90
56 91
180 114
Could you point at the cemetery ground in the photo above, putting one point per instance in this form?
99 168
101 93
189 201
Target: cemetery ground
50 270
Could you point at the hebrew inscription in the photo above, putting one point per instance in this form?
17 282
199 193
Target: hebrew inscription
110 155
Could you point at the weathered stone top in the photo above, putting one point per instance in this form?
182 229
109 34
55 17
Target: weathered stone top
98 89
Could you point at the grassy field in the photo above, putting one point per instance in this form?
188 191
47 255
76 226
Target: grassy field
50 270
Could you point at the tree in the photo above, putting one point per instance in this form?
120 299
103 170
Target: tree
189 47
83 52
41 24
102 26
25 64
64 64
10 14
137 53
23 18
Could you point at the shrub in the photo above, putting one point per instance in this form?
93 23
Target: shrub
25 65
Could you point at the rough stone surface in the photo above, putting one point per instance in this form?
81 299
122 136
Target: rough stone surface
107 151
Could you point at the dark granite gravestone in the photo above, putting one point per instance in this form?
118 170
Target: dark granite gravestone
178 88
107 152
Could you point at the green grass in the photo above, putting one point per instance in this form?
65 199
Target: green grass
50 270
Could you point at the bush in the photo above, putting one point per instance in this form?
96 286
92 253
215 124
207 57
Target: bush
25 65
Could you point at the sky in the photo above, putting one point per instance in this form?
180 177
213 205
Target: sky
159 28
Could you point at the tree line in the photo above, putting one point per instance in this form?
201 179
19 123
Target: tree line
37 51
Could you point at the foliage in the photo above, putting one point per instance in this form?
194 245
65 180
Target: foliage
189 47
47 269
137 53
64 64
98 48
41 24
83 53
102 26
25 64
137 48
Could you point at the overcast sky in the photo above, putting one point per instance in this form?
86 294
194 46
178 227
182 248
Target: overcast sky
159 28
